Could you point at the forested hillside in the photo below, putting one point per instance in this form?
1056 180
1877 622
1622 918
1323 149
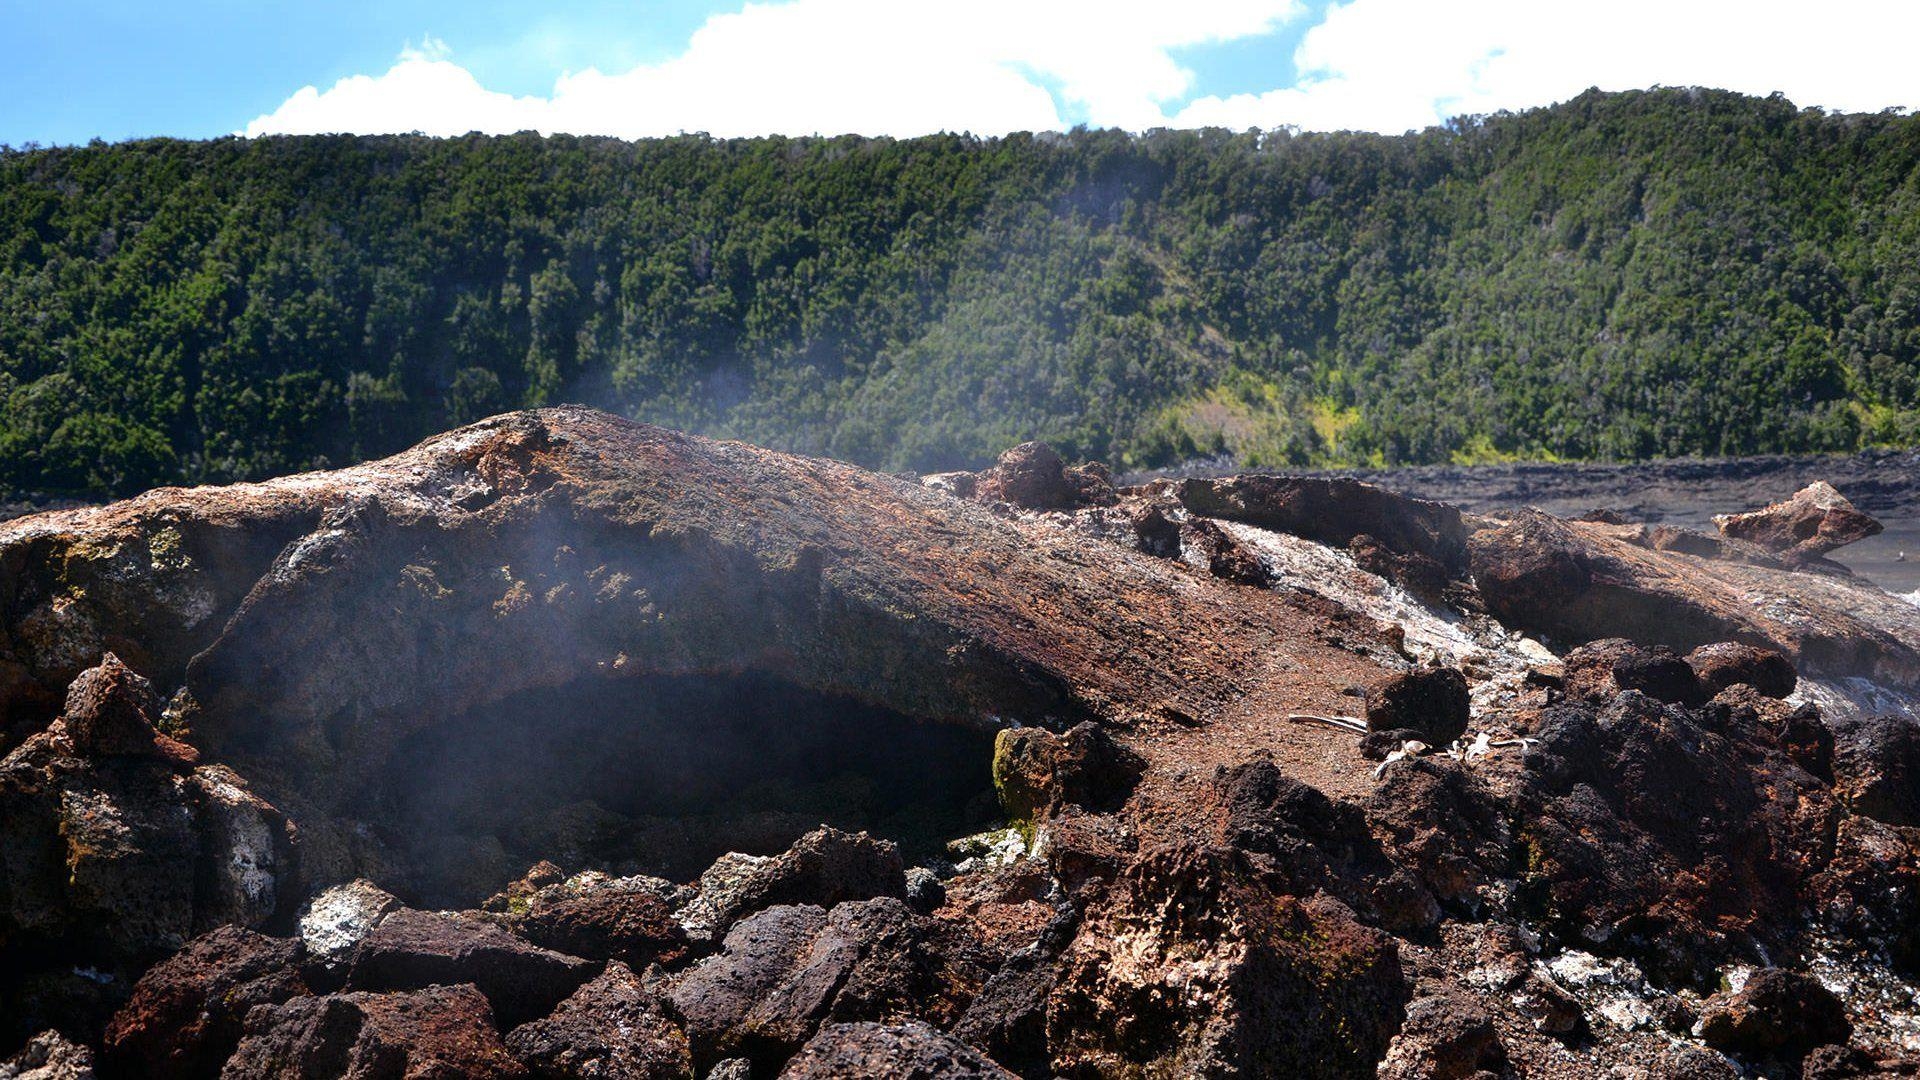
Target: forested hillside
1623 276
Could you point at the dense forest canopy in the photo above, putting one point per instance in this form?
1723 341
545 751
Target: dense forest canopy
1622 276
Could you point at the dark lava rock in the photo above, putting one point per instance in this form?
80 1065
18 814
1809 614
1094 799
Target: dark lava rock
1445 1037
1431 701
49 1056
610 1029
1417 572
1877 767
187 1012
784 971
925 891
636 928
1192 967
1729 663
903 1051
1154 532
1816 520
439 1033
1548 1006
411 949
1334 512
825 867
1226 557
1777 1013
1037 771
1599 670
1441 826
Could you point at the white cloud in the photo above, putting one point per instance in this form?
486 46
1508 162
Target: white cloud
907 67
1391 65
878 67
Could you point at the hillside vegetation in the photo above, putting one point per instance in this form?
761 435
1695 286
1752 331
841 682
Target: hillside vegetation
1623 276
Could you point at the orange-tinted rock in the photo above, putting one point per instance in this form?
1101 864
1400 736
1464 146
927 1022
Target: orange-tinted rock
187 1013
439 1031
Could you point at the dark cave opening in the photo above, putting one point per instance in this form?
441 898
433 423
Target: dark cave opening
661 775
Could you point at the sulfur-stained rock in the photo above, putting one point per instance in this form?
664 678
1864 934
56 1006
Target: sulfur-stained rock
333 922
612 1028
1816 520
1193 968
439 1031
411 949
187 1013
1777 1013
905 1051
1038 771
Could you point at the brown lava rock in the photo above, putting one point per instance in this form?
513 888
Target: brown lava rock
904 1051
1728 663
1600 670
437 1032
1777 1013
1816 520
1038 771
610 1029
411 949
187 1012
49 1056
1877 767
1445 1037
112 710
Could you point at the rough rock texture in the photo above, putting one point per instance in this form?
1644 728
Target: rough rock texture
187 1012
610 1029
438 1032
413 949
1776 1013
905 1051
617 655
1814 521
49 1056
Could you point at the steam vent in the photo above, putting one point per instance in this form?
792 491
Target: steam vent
564 746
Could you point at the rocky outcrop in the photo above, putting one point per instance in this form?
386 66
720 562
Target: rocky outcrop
1095 793
1816 520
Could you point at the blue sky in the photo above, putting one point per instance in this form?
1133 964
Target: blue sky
115 69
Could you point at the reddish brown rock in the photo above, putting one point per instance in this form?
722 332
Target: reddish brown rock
437 1032
636 928
609 1029
1777 1013
1598 671
1729 663
1877 767
1225 557
1445 1037
112 710
1033 477
825 867
1334 512
903 1051
1816 520
412 949
187 1013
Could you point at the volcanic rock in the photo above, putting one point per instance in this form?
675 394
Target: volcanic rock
1776 1013
1728 663
904 1051
824 867
333 922
1033 477
1334 512
1037 771
411 949
609 1029
112 710
1431 701
1193 968
1445 1037
1877 767
440 1031
1598 671
633 926
187 1012
1816 520
784 971
49 1056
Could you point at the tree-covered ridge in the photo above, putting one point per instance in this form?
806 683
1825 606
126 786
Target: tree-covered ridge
1623 276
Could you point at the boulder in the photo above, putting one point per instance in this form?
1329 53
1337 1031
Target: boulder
1335 512
904 1051
188 1012
333 922
1446 1036
1777 1013
112 710
1030 476
786 970
1037 771
49 1056
439 1031
1729 663
824 868
1433 702
1191 967
1600 670
411 949
636 928
609 1029
1816 520
1224 557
